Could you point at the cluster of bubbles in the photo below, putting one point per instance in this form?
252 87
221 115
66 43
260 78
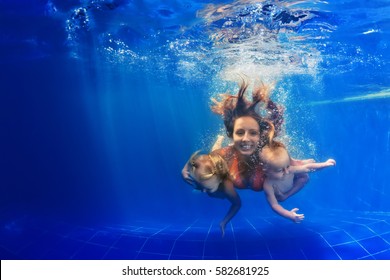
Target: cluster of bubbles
193 39
268 37
264 38
270 40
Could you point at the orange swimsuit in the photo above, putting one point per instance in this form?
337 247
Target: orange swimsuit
255 179
254 182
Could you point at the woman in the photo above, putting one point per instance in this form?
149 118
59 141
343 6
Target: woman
249 132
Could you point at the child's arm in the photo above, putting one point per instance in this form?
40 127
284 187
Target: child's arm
311 166
295 161
235 201
273 202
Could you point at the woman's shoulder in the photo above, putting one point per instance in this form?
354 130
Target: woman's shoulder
224 151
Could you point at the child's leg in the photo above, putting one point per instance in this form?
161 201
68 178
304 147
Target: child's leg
299 182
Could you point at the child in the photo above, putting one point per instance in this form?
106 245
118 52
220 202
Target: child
280 176
210 174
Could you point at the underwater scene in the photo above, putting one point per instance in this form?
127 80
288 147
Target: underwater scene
104 101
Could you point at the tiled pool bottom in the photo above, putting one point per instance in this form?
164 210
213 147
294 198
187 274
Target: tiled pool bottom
338 236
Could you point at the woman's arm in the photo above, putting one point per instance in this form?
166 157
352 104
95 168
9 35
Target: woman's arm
218 143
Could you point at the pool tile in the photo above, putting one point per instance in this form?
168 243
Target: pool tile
217 248
357 231
385 255
350 237
90 251
152 256
350 251
188 248
380 227
374 244
120 254
156 245
337 237
321 253
130 243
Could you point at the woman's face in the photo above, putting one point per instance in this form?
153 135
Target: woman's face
246 135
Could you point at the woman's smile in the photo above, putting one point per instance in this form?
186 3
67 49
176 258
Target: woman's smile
246 135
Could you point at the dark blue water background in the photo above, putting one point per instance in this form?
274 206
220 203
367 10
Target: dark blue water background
102 103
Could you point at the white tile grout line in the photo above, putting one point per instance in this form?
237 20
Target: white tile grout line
266 245
174 243
147 239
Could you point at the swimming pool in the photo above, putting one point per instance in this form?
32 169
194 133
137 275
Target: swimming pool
103 102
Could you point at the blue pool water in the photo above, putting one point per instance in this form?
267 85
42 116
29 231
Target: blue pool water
102 102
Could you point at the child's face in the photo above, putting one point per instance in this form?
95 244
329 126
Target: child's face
203 172
278 168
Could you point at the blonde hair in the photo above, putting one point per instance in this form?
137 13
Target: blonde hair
219 166
272 151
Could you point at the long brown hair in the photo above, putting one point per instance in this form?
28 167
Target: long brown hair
232 107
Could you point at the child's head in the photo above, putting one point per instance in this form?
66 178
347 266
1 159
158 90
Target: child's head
208 171
275 160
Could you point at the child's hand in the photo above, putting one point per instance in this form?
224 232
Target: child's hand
296 218
330 162
187 177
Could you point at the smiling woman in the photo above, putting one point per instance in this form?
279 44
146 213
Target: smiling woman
248 131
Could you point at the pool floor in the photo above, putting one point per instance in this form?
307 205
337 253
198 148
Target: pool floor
337 236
